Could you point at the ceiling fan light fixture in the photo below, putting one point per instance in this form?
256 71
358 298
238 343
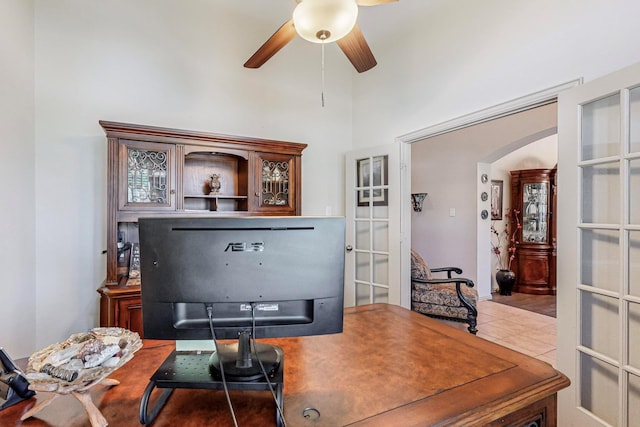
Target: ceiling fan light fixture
325 21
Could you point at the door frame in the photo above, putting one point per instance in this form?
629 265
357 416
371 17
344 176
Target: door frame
517 105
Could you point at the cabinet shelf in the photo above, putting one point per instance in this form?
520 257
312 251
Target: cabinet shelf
213 196
215 202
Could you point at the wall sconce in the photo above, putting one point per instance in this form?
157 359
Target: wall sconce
416 200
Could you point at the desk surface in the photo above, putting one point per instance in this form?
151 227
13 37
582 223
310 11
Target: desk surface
389 367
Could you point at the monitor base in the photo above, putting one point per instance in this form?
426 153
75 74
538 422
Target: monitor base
241 363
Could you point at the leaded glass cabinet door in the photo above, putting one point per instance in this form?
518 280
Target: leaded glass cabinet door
535 211
276 185
599 251
372 263
147 176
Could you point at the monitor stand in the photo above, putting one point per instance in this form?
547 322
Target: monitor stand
240 361
192 370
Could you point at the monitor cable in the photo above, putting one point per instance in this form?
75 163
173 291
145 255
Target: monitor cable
264 371
224 380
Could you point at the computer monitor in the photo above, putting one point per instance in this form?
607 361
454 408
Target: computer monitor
271 276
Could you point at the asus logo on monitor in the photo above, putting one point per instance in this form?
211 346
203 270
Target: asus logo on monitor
245 247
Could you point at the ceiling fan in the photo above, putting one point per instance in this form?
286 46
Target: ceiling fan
323 21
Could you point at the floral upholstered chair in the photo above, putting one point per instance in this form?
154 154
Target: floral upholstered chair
453 298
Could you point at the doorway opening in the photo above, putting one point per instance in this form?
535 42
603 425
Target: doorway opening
450 228
454 225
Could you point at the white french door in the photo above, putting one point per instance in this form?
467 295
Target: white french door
599 251
373 240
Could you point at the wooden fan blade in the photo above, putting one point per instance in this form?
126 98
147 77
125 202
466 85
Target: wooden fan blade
357 50
277 41
372 2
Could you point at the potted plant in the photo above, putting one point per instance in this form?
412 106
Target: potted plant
504 244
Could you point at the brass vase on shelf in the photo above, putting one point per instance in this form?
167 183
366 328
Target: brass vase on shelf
215 184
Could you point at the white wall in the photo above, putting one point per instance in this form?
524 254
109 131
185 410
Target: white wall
165 63
453 58
178 64
450 59
17 223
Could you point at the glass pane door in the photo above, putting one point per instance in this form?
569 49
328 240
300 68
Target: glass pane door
601 235
372 229
372 242
604 360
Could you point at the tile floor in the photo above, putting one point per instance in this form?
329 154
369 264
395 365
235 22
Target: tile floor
525 331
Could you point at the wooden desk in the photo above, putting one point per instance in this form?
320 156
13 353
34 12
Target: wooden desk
390 367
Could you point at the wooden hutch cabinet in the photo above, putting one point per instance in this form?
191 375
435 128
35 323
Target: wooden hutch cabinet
533 194
155 172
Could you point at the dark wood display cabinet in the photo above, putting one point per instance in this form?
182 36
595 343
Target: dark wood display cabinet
155 172
533 195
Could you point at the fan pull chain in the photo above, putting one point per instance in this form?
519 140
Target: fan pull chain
322 66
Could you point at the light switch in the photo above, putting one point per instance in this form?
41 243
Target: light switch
452 211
